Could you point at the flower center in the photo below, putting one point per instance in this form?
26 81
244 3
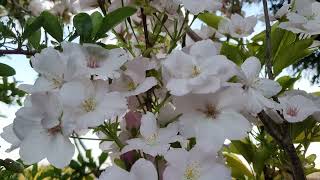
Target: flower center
238 30
92 62
192 172
55 130
89 105
195 71
210 110
292 111
57 83
151 140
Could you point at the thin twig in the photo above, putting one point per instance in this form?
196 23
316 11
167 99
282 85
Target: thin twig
17 51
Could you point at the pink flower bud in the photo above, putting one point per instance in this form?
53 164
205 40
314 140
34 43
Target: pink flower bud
133 120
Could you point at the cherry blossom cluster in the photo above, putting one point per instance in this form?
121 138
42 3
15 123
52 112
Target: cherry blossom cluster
173 112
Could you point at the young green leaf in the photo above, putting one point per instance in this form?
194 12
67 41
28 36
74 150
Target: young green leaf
52 25
83 24
211 20
97 20
34 26
6 70
114 18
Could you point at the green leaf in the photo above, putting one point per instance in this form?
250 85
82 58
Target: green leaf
260 158
120 163
233 53
114 18
6 31
287 82
102 158
83 24
97 20
52 25
33 27
6 70
238 169
75 165
35 37
291 54
210 19
243 148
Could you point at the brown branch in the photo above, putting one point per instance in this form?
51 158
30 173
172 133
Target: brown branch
145 29
268 60
193 35
282 136
17 51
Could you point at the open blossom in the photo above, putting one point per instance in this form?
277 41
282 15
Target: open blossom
169 6
134 81
54 68
207 117
196 7
96 60
88 4
297 108
154 140
257 90
141 170
303 18
91 102
238 26
200 71
44 130
193 165
36 7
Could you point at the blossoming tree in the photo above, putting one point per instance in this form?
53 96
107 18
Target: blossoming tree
167 101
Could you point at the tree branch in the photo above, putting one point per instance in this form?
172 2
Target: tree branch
284 140
17 51
268 61
193 35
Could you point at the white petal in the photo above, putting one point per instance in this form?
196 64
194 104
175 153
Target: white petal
251 67
75 92
116 173
34 147
203 49
237 125
177 158
148 125
209 137
268 87
61 151
144 170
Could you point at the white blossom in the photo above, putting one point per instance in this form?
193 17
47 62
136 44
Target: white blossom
36 7
141 170
43 130
304 18
194 165
257 90
200 71
212 118
297 108
238 26
92 103
54 68
196 7
154 140
96 60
